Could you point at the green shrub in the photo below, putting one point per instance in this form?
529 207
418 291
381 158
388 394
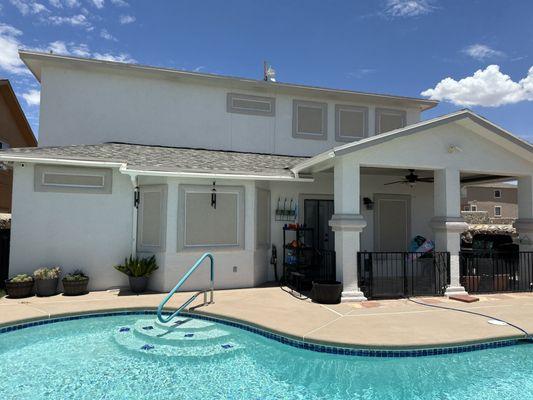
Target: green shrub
47 273
21 278
138 267
76 275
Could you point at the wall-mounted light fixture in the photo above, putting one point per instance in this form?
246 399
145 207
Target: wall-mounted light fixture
214 197
369 204
454 149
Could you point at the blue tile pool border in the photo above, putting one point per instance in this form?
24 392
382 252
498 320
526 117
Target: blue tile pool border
311 346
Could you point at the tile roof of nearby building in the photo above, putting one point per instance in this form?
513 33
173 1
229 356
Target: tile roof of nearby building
164 159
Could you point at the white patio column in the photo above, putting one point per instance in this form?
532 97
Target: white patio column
448 224
347 223
524 223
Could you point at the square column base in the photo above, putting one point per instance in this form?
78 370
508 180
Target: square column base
352 297
455 290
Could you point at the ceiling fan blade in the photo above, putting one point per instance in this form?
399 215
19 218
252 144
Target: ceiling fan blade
428 180
395 182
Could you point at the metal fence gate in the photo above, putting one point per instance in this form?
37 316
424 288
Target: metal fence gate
4 255
403 274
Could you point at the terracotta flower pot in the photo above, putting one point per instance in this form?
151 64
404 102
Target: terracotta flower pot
75 288
18 290
471 283
46 287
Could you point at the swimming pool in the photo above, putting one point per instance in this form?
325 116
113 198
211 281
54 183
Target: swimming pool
132 356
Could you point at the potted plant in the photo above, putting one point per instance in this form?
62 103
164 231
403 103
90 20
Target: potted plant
46 281
326 292
75 283
138 271
19 286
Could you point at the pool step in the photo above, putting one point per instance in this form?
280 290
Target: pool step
178 335
181 323
128 340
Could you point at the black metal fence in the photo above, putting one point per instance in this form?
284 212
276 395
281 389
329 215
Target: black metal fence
492 271
326 265
401 274
4 255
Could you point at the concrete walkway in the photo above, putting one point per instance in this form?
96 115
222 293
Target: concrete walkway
376 324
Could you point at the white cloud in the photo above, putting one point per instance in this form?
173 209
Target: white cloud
487 88
75 20
120 3
9 45
122 57
127 19
98 3
68 3
408 8
28 6
481 52
106 35
32 97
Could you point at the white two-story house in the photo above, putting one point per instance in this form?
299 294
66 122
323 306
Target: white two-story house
145 160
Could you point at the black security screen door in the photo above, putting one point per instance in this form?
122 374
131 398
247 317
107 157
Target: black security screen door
317 214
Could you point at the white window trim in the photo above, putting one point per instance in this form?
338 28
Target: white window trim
344 107
269 219
143 248
473 207
40 170
230 108
182 217
499 192
500 208
390 111
309 135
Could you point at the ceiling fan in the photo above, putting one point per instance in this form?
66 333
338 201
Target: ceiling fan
411 179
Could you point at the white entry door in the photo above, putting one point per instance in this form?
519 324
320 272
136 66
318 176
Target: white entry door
392 222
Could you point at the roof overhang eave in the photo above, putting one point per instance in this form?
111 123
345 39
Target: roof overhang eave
123 168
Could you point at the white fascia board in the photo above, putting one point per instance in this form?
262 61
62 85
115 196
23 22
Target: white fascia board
59 161
212 175
312 161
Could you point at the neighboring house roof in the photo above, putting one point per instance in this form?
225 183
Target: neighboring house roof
409 130
160 160
6 90
35 60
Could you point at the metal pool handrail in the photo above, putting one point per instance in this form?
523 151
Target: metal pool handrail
194 296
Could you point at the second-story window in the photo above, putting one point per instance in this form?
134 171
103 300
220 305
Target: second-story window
497 193
389 120
309 120
351 123
4 145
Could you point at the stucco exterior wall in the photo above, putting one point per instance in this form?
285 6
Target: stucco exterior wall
483 198
92 232
85 107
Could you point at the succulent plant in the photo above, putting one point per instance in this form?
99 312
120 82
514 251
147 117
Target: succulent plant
21 278
76 275
138 267
47 273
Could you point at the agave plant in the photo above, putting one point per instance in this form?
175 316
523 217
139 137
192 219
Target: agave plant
138 267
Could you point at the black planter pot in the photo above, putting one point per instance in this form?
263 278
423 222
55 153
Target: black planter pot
75 288
46 287
326 292
138 284
18 290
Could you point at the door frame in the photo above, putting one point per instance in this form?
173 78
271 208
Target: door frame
301 201
406 198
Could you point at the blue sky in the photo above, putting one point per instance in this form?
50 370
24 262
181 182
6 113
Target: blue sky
474 54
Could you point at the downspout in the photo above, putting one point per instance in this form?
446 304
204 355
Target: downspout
135 208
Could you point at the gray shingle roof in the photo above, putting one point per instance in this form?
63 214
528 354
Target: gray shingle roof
167 159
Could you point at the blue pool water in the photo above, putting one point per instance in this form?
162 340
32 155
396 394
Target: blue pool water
133 357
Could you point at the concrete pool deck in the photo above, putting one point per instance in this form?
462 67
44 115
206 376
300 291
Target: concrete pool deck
372 324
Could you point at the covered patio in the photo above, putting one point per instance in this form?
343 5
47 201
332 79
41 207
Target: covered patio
446 152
